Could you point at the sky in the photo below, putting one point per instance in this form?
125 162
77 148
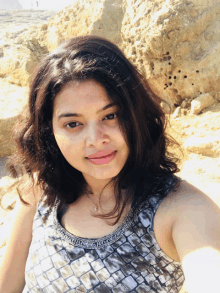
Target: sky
45 4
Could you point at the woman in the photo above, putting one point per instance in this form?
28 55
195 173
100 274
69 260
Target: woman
107 212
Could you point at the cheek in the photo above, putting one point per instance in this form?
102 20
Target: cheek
69 147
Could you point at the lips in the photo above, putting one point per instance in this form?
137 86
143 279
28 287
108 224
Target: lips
101 154
103 160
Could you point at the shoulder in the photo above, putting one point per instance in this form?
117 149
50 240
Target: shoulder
187 198
185 218
195 211
189 204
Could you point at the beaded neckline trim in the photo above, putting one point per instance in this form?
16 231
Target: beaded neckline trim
91 243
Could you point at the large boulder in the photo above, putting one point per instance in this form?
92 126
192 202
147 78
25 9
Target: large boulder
176 45
12 100
201 102
100 17
19 60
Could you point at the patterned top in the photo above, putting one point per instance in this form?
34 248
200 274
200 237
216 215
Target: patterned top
127 260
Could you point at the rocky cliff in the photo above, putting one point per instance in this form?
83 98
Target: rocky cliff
175 44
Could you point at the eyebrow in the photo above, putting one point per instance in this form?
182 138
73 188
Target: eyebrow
79 115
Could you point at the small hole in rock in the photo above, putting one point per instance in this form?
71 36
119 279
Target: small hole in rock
169 63
166 84
168 53
170 77
152 68
170 83
185 76
179 71
192 83
176 105
200 93
197 71
168 57
174 77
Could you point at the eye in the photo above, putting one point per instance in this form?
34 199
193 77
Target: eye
71 124
111 116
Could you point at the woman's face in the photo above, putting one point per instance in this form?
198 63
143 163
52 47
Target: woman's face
83 125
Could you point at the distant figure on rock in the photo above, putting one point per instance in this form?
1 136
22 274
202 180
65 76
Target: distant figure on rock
100 207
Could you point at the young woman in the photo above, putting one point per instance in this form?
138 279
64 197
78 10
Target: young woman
105 212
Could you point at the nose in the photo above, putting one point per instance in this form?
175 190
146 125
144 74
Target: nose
95 135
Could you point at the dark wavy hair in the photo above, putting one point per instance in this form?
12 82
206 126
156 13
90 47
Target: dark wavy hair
141 121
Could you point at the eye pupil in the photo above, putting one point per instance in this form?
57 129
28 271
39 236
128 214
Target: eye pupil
112 116
71 125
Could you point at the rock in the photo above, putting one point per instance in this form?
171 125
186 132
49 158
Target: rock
54 38
206 146
177 112
184 112
185 104
167 109
12 100
178 100
102 18
19 61
201 102
175 44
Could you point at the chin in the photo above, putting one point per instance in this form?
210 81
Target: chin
103 175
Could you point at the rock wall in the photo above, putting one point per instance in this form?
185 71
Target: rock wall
175 44
100 17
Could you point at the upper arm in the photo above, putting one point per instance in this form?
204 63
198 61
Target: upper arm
196 235
13 262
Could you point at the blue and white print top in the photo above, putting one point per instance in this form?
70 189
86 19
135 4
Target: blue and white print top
127 260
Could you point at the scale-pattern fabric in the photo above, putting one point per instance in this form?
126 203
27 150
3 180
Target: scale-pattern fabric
127 260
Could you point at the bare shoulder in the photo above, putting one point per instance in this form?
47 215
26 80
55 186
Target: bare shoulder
195 219
186 197
188 203
185 218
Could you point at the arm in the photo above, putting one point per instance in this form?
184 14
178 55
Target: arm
196 235
12 266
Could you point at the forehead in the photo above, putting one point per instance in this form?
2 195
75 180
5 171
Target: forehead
80 94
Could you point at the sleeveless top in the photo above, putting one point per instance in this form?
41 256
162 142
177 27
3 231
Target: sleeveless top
127 260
